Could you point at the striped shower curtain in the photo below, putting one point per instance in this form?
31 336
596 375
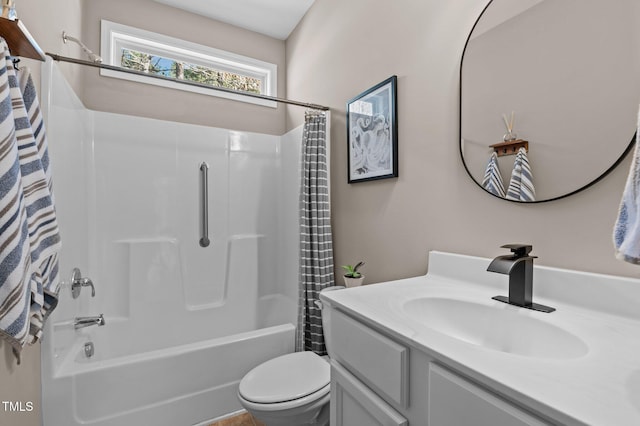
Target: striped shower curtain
316 248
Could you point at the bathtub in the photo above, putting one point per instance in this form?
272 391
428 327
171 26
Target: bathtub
159 359
191 384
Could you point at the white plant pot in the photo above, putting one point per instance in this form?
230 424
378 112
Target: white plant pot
353 282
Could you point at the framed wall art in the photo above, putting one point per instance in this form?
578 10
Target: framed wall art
372 133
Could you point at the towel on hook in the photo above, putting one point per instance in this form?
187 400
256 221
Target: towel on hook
29 238
492 181
521 184
45 255
626 232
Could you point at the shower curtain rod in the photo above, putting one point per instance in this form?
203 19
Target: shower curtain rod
60 58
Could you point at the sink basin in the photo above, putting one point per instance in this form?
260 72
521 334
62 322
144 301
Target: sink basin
501 328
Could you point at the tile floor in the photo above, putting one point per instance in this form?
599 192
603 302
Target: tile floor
240 420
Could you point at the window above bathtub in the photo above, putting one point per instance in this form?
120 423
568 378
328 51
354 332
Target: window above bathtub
154 53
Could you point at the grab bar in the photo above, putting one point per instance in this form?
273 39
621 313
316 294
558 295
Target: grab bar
204 240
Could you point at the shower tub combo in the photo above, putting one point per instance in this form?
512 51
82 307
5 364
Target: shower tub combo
183 323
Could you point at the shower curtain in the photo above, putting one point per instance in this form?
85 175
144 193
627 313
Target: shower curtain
316 247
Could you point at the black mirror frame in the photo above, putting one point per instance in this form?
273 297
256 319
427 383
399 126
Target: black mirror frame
593 182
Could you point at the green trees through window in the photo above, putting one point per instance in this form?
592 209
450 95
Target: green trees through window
181 70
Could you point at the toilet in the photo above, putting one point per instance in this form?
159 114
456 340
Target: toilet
292 389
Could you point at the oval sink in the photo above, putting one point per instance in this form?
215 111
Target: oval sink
501 328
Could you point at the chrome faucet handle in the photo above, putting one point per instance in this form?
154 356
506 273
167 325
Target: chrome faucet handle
77 282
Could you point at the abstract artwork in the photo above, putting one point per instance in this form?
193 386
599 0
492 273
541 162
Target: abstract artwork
372 133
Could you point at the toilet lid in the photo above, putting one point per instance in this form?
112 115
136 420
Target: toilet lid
285 378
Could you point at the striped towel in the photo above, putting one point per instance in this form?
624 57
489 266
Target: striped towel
626 233
29 238
492 181
521 184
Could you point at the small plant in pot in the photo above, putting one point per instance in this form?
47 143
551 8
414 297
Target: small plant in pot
353 278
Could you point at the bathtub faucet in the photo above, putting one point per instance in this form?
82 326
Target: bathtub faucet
81 322
77 282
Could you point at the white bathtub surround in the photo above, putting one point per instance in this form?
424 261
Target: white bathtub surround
316 241
29 241
575 366
183 323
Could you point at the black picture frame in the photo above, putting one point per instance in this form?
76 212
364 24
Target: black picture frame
372 133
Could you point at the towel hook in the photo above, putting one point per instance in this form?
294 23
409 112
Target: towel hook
510 147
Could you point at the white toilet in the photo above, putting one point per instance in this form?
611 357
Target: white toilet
292 389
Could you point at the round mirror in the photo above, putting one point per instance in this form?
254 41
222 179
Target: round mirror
549 93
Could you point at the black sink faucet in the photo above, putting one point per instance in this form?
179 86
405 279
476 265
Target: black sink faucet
519 266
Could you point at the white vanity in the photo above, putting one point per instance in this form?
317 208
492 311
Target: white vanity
436 350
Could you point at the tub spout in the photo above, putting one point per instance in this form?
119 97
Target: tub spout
81 322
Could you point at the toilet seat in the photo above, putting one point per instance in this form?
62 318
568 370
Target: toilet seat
288 380
317 399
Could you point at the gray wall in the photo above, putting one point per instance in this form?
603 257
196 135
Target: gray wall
126 97
46 21
342 48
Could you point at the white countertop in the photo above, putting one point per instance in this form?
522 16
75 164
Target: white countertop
600 388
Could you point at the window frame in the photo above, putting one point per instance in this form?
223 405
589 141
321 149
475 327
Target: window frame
114 37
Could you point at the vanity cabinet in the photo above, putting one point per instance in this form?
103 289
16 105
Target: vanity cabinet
376 360
377 380
454 400
352 403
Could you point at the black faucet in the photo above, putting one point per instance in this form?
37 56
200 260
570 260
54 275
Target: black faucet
519 267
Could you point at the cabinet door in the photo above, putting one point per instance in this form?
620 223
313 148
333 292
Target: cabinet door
454 401
352 403
379 362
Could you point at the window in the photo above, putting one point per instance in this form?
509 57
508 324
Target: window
154 53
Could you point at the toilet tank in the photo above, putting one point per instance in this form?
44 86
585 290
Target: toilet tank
326 319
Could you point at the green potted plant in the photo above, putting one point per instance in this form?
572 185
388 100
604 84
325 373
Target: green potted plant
353 278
